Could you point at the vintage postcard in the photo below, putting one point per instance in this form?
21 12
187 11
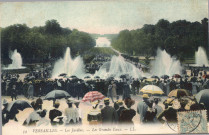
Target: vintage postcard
104 67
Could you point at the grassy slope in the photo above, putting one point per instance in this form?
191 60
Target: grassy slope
100 50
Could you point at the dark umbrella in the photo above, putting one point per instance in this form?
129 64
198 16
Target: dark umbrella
144 78
56 94
63 74
18 105
154 76
203 97
96 77
86 77
31 77
164 76
73 76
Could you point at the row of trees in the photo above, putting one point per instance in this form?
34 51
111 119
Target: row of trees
41 43
180 38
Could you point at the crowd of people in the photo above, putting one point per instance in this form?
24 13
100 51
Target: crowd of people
120 113
31 87
120 92
96 63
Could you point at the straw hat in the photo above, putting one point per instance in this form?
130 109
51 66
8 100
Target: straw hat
119 102
106 100
145 96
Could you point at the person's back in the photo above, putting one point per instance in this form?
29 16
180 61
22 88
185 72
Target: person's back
109 115
142 107
127 115
71 114
94 116
170 114
150 115
54 113
121 108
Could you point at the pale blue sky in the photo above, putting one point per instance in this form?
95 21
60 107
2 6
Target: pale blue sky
102 16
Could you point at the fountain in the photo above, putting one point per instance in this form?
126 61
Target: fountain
102 42
69 66
16 61
164 64
117 67
201 57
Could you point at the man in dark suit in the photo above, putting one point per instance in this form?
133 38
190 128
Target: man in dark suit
109 115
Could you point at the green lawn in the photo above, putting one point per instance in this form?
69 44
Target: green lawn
101 50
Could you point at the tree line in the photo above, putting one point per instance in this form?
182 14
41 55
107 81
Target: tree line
180 38
40 44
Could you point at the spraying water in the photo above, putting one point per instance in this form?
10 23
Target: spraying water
201 57
69 66
117 67
164 64
16 61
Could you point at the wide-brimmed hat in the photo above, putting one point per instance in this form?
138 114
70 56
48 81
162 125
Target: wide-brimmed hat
129 101
145 96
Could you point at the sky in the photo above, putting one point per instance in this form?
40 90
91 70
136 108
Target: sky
102 17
